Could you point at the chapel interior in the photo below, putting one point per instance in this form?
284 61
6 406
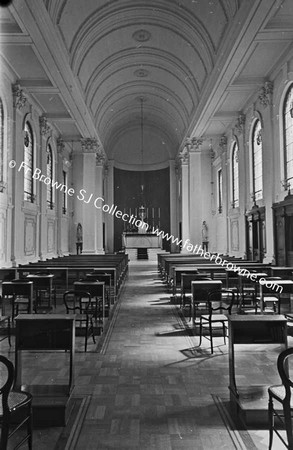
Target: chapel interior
146 224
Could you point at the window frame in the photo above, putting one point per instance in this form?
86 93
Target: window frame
220 190
64 194
29 195
288 99
234 179
2 137
257 194
50 174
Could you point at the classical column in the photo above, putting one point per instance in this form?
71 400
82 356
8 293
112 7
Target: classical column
100 160
184 157
173 204
266 101
88 194
17 229
109 194
195 191
45 131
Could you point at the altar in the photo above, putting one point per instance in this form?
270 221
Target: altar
140 240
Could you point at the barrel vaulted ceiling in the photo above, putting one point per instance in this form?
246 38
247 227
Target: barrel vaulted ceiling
190 66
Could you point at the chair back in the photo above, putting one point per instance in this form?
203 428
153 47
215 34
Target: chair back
17 287
284 372
103 277
186 280
95 288
74 302
221 300
6 382
269 286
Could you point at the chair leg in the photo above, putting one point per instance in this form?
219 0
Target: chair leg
4 436
93 331
271 421
211 336
288 425
224 332
30 428
200 332
86 331
9 331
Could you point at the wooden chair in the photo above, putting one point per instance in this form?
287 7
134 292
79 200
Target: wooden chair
282 395
248 296
21 293
271 298
218 301
15 407
186 293
3 320
80 304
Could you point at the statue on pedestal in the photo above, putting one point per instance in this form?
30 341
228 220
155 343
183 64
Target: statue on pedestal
79 239
205 237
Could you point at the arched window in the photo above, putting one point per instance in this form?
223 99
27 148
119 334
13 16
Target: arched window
288 137
257 160
28 163
235 176
64 198
1 142
50 200
220 191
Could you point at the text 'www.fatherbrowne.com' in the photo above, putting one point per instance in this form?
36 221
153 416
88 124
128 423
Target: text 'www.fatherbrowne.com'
198 250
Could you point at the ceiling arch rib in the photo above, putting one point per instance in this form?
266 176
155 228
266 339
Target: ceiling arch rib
130 116
134 126
167 60
167 103
182 97
160 49
104 22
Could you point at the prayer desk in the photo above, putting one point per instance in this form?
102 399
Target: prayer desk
39 333
250 401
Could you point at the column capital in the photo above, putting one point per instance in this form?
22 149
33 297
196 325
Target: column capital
44 126
100 159
196 144
239 126
60 146
183 156
266 93
19 99
89 145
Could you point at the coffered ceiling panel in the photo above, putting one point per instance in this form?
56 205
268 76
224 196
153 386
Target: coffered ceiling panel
24 61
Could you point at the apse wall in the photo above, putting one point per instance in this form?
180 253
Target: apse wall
127 195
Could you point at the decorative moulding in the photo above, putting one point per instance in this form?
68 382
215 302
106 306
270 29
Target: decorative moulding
89 145
19 99
265 95
239 126
44 126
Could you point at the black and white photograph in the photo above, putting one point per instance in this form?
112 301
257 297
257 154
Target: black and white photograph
146 224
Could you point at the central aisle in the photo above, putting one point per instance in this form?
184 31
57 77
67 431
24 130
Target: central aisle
146 388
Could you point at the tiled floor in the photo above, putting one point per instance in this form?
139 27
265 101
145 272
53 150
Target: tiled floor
149 387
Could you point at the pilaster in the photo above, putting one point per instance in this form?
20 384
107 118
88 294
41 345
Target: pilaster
173 204
109 197
184 158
